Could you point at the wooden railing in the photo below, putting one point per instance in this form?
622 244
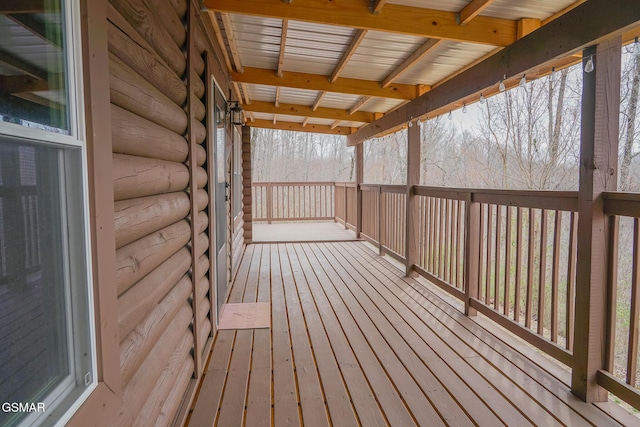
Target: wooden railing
345 202
620 375
510 255
293 201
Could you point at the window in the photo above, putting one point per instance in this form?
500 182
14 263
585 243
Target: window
47 361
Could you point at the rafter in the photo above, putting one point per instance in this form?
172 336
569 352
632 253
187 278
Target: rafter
335 124
236 90
306 111
277 101
358 105
275 119
318 100
218 33
52 34
471 10
346 56
394 18
283 45
36 99
377 6
9 59
297 127
410 61
231 40
8 7
319 82
305 121
245 92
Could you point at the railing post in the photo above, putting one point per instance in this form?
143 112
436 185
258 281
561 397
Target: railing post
379 219
359 179
269 203
411 211
598 173
471 253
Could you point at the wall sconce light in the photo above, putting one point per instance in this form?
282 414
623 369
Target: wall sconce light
235 113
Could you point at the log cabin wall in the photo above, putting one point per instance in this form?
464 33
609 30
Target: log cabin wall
159 136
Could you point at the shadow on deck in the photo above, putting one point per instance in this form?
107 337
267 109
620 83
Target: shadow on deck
355 342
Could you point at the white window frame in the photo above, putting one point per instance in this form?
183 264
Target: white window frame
73 250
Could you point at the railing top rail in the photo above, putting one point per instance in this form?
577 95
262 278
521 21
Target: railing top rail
292 183
393 188
553 200
625 204
345 184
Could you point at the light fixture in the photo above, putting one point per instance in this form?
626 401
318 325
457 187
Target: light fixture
588 67
464 108
482 100
502 87
450 117
235 113
636 48
410 124
523 81
553 71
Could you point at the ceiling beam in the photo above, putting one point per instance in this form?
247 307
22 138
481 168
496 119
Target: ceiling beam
346 56
227 26
298 127
393 18
471 10
411 60
33 71
263 76
9 7
552 42
283 45
306 111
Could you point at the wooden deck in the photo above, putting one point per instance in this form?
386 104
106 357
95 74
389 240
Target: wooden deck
301 232
354 342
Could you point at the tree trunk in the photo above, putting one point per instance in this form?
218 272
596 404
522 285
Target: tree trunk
632 110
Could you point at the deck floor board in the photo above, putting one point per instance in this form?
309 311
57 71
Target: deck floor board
355 342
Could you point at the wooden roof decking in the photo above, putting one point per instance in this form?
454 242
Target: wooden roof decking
354 341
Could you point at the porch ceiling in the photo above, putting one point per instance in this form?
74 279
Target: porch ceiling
333 60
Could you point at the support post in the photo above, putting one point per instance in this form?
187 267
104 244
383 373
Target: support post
359 179
413 179
598 173
346 207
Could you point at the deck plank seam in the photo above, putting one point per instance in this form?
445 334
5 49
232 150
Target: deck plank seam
350 317
480 340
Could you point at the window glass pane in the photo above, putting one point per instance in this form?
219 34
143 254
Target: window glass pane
39 360
32 66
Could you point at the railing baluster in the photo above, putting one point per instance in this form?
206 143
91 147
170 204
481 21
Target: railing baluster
555 270
481 246
542 275
518 279
530 258
496 280
487 288
571 279
507 263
